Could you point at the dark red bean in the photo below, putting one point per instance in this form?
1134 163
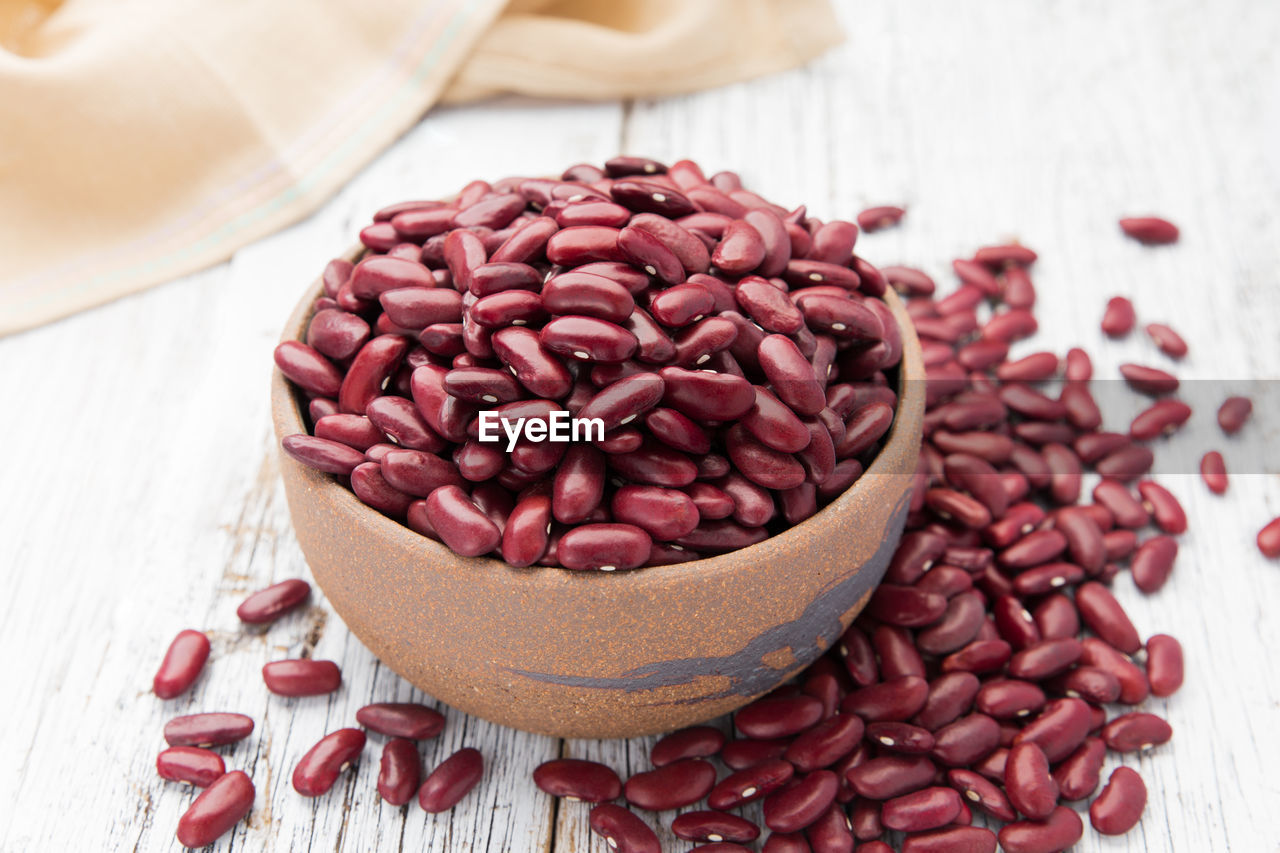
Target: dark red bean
302 677
318 770
1133 682
777 716
958 626
1034 549
399 772
1163 506
676 785
981 792
876 218
898 655
1119 317
954 839
1164 664
1126 463
401 720
1120 805
950 696
217 810
929 808
1045 659
182 664
1032 790
190 765
1213 470
791 375
1150 230
308 369
897 699
796 807
905 606
1059 729
624 831
1162 418
267 605
451 781
965 741
1153 561
605 547
1233 413
1136 731
1007 699
1077 775
575 779
751 782
713 826
1105 617
209 729
461 524
1062 829
901 737
1014 623
891 776
1269 539
978 656
825 743
693 742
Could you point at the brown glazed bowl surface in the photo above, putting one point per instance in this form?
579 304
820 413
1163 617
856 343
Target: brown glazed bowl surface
602 654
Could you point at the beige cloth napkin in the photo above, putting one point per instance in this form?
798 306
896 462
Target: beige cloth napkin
144 139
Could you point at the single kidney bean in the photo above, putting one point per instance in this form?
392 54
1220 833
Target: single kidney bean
692 742
898 656
1163 418
1014 623
268 605
889 776
1119 317
1269 539
753 781
664 514
1133 682
1045 659
209 729
182 664
901 737
1007 699
905 606
217 810
1150 230
1077 775
713 826
741 249
1164 665
966 740
688 249
897 699
374 491
588 339
957 627
1087 682
796 807
1062 829
928 808
460 523
191 765
676 785
982 792
1032 789
707 396
623 830
791 375
576 779
1152 562
1059 729
1213 470
376 361
451 781
1136 731
978 656
417 472
319 768
308 369
336 333
825 743
950 695
1105 617
533 365
401 720
1121 803
399 771
526 534
605 547
1233 413
953 839
777 716
301 677
1164 507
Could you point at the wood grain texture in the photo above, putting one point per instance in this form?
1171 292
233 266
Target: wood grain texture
141 494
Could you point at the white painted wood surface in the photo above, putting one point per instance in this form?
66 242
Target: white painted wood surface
141 493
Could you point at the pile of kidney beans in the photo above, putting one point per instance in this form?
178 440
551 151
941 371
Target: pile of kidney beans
736 354
984 683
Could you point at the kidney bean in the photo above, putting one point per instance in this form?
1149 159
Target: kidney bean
707 396
894 700
753 781
688 249
795 807
966 740
1007 699
336 333
1136 731
376 361
957 627
461 524
889 776
533 365
1133 682
1163 418
217 810
1121 803
825 743
950 695
905 606
981 792
1119 317
1062 829
209 729
1014 623
664 514
713 826
775 425
898 655
929 808
445 786
1213 471
953 839
674 785
301 677
190 765
318 770
692 742
584 293
308 369
1106 618
1077 775
268 605
1232 414
978 656
1164 664
740 250
1268 539
399 772
182 664
1149 230
1032 789
606 547
1152 562
624 832
576 779
406 720
947 580
1045 659
901 737
1059 728
832 832
1034 549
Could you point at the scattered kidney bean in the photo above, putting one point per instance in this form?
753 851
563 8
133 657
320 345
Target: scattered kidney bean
1062 829
451 781
401 720
1233 413
217 810
796 807
577 779
1269 539
399 771
182 664
319 768
1151 230
671 786
267 605
623 831
955 839
714 826
191 765
1136 731
302 677
1121 803
208 729
750 783
1213 470
1119 317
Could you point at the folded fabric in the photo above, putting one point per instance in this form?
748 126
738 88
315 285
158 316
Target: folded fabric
144 139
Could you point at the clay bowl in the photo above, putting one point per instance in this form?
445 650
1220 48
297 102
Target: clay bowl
602 654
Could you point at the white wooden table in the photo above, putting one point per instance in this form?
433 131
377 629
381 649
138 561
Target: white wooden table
141 493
